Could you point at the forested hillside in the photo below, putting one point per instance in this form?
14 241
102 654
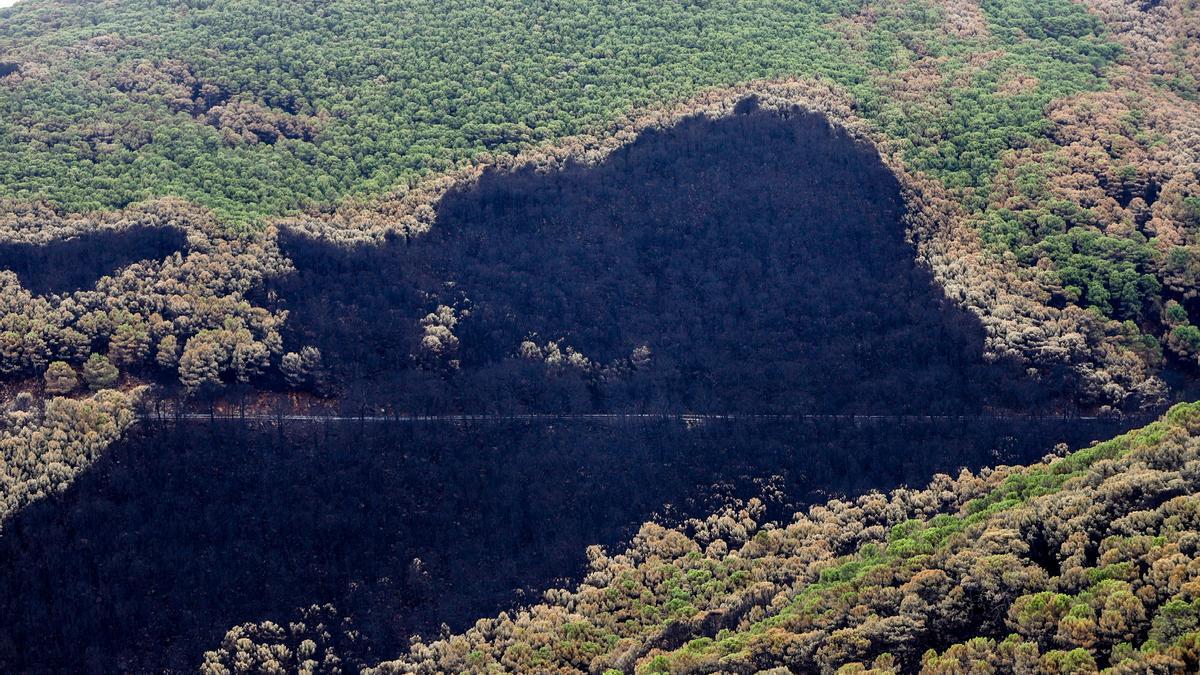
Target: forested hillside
43 447
755 263
1048 151
181 530
1084 561
970 220
257 108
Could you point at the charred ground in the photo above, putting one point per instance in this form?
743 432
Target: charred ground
180 532
761 259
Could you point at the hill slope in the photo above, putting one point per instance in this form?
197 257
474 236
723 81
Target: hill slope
1057 142
257 108
1081 562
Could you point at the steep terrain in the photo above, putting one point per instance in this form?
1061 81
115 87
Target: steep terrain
979 208
1047 151
1084 561
751 263
182 530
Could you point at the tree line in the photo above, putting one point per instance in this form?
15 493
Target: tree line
181 530
752 262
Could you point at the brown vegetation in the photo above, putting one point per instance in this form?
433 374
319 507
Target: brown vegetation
189 310
1128 160
1011 301
43 446
219 269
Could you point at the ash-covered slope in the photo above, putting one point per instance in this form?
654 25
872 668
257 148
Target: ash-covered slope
1073 564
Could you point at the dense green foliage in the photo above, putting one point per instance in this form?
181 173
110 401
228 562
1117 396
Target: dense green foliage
183 530
723 274
1056 139
257 108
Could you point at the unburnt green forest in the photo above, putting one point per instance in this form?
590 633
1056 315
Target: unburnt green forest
261 108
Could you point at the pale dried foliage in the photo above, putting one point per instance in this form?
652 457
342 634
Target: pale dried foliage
197 298
734 571
308 645
1162 39
1009 301
43 446
410 212
244 121
964 18
919 87
187 294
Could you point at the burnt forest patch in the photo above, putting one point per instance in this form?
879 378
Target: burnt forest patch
184 530
752 263
77 263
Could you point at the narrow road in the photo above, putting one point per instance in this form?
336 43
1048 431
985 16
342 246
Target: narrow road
683 417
